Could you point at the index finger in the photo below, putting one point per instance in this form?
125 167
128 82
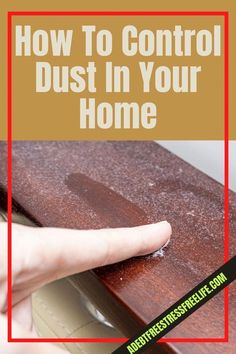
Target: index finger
56 253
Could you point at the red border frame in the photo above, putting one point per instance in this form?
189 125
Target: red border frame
226 163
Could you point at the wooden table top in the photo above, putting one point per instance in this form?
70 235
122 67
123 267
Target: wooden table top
112 184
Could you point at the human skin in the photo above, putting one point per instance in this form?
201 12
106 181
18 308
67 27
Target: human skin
42 255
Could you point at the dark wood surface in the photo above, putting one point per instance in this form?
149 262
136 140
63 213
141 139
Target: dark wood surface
111 184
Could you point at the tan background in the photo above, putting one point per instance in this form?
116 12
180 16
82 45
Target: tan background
56 116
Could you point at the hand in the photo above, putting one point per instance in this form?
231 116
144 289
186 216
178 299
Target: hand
42 255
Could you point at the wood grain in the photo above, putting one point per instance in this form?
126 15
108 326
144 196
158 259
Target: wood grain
111 184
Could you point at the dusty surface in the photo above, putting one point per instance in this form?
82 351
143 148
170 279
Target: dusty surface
111 184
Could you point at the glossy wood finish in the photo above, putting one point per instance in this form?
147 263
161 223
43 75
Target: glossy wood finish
111 184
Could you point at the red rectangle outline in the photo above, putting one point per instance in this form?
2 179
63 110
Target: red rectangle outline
225 14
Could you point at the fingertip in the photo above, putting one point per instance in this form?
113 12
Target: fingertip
168 227
162 227
157 236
